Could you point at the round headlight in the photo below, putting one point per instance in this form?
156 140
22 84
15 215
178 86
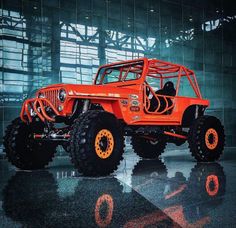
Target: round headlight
41 95
62 95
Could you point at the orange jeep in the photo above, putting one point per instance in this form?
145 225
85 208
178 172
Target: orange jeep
152 101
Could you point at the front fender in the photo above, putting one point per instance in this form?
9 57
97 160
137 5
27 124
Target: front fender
112 106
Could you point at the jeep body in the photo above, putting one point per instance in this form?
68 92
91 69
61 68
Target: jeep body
120 98
152 101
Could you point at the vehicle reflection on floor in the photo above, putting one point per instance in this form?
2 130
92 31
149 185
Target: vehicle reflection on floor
142 193
186 201
35 199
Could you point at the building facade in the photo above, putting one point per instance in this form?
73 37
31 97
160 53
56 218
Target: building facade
44 42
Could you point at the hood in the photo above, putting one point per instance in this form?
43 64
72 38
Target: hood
95 90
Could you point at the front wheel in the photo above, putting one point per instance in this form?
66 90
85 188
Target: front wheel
96 143
22 150
206 139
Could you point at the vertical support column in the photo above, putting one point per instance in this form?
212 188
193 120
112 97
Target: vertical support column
30 64
55 46
102 46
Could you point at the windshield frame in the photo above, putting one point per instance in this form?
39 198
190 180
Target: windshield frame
125 63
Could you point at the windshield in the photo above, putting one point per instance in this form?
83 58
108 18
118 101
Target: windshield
120 73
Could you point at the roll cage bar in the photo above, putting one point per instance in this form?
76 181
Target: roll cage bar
160 70
164 70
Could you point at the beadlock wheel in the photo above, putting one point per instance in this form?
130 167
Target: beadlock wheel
206 139
104 143
211 138
96 143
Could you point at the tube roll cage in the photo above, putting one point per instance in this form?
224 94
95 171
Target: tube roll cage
164 70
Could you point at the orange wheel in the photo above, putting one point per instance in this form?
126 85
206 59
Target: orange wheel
206 138
104 144
99 148
211 138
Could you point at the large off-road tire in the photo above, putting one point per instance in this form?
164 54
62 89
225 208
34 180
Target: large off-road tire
22 150
206 139
96 143
146 148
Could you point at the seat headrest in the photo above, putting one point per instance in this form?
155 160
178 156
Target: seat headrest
168 85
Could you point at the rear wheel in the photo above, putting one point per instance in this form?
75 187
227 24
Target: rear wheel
22 150
147 148
206 138
96 143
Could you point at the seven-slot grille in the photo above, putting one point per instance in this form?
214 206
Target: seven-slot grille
52 96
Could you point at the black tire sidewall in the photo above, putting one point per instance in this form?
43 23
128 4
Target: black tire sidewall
82 143
196 139
214 123
108 122
26 153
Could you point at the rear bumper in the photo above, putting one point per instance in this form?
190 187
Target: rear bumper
36 106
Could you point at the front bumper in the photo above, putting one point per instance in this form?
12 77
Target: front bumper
38 106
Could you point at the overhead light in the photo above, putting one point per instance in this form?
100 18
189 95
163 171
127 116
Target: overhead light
190 19
152 10
87 17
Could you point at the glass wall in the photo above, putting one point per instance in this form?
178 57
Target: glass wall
44 42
